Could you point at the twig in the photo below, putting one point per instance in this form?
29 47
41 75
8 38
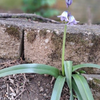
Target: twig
6 64
28 16
52 80
24 81
19 94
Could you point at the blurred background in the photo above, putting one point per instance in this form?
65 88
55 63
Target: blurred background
86 11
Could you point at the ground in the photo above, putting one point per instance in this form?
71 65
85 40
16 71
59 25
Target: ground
27 86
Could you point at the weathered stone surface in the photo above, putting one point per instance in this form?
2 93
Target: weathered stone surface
82 45
10 38
43 42
94 83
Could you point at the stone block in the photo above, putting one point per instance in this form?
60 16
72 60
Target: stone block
43 44
10 38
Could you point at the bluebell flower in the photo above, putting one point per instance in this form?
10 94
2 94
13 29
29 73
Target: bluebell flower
64 16
69 2
68 18
72 20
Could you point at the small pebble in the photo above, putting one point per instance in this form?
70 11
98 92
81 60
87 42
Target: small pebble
36 98
41 89
38 83
45 94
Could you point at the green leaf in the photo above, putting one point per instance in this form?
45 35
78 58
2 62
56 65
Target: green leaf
71 95
35 6
51 2
75 88
85 65
58 86
80 72
68 73
83 87
30 68
49 12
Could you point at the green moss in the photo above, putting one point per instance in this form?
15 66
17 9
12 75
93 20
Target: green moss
57 42
95 84
31 36
94 49
13 31
43 33
97 81
77 38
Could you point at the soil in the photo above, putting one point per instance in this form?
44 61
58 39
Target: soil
27 86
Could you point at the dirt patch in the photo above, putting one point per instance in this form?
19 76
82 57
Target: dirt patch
27 86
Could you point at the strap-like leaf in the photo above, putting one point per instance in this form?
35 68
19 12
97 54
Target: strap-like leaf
85 65
58 86
68 73
83 87
30 68
75 88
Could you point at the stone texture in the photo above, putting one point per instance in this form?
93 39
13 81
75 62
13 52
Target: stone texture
82 45
38 46
9 42
43 42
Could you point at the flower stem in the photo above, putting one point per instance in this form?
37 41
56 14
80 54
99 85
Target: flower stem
63 49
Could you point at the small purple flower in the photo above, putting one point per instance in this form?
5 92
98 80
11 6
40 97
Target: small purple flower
67 17
64 16
72 20
69 2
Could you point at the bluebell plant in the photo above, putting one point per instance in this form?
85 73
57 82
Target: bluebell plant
69 20
76 82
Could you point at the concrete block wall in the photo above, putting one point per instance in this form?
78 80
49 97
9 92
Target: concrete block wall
42 43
